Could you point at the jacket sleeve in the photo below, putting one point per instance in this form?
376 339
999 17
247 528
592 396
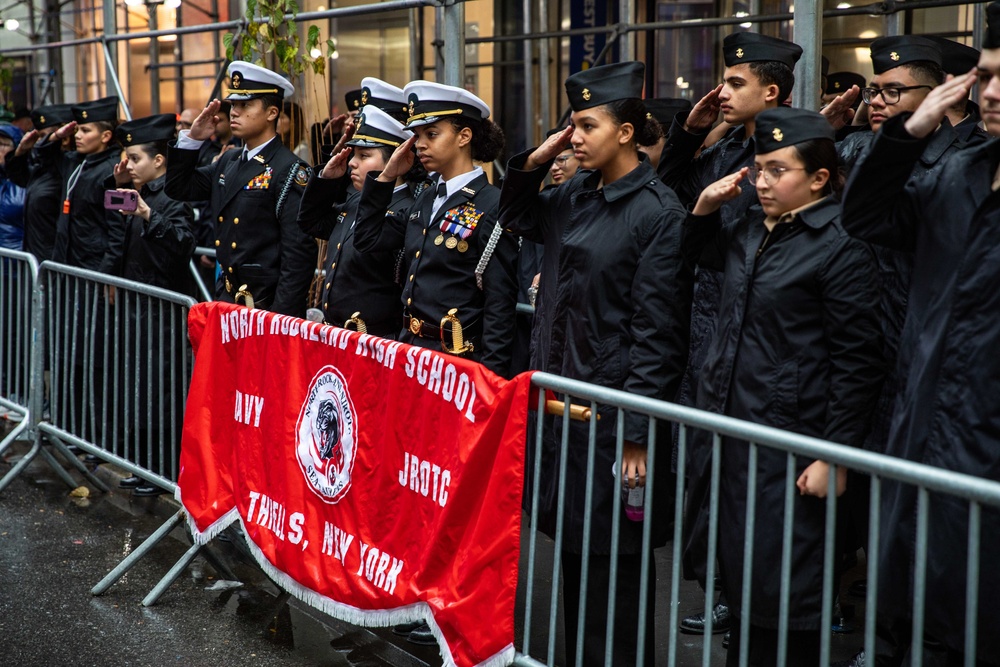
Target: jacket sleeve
523 209
375 231
880 204
317 213
298 251
661 317
679 169
500 303
18 168
703 240
849 283
186 181
171 227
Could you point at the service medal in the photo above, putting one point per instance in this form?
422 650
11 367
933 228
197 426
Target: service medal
439 240
463 246
451 243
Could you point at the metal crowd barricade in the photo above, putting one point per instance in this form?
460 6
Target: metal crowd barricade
20 395
978 492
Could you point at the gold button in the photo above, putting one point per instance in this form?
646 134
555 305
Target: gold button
328 285
230 269
217 243
409 301
324 305
333 266
236 221
234 245
411 278
425 232
417 256
220 218
338 246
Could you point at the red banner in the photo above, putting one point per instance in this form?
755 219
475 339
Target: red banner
379 482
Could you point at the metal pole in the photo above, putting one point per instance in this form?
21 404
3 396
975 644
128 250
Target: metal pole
454 43
543 66
894 21
114 86
808 33
111 60
626 42
154 59
530 119
438 44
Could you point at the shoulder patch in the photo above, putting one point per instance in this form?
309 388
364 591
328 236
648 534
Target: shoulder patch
302 175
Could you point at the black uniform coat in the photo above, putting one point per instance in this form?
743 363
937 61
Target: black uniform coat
613 309
84 237
437 278
254 206
156 252
968 129
370 283
798 348
38 173
688 176
947 411
894 269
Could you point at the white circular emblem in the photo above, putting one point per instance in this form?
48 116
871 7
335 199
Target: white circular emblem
325 440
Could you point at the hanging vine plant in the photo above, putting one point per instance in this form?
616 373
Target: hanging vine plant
6 83
269 33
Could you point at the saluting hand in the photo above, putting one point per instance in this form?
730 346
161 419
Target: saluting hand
705 113
348 132
549 150
121 174
400 162
335 125
715 195
203 126
840 111
337 166
931 111
67 130
28 142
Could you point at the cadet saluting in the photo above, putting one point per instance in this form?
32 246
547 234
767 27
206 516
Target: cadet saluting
614 308
253 195
458 263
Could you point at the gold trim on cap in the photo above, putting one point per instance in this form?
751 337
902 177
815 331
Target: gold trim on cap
445 112
367 137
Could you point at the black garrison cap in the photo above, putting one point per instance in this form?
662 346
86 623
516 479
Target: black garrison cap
605 83
785 126
749 47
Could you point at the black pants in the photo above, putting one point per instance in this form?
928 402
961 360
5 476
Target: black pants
893 644
595 623
803 647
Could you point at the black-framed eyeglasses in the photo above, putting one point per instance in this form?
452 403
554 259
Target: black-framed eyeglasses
889 95
771 174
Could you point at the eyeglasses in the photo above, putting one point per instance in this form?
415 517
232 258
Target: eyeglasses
889 95
771 174
563 159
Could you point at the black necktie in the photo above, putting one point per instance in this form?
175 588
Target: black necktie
442 189
243 157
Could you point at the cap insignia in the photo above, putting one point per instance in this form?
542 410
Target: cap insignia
84 114
777 134
586 94
739 53
128 137
893 56
364 96
41 119
237 80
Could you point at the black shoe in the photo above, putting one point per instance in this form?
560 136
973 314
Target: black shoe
695 624
857 661
858 589
422 636
404 629
131 482
725 641
147 491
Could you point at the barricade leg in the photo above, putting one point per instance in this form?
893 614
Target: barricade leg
57 467
172 575
25 460
129 562
61 447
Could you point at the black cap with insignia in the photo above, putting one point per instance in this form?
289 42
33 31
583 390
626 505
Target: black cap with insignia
105 109
839 82
785 126
161 127
749 47
352 99
991 39
956 58
663 109
51 115
890 52
605 83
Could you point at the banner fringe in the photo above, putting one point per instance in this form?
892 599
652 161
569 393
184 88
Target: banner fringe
372 618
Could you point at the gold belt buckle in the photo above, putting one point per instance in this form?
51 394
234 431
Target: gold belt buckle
415 326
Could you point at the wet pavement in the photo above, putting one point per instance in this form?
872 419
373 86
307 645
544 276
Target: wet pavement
54 547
